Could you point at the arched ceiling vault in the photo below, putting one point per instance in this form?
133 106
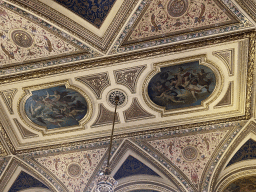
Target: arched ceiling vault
184 72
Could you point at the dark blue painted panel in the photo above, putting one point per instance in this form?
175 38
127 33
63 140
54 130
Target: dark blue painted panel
94 11
183 85
246 152
133 166
56 107
25 181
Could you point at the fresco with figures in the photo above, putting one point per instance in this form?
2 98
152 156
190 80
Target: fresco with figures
56 107
181 85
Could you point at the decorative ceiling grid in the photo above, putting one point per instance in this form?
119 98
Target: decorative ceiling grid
183 70
32 103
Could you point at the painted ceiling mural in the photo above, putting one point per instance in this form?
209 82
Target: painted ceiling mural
163 36
22 40
168 17
56 107
181 85
73 170
184 71
191 153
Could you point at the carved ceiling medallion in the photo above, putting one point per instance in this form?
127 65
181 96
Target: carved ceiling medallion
177 8
122 97
190 153
22 38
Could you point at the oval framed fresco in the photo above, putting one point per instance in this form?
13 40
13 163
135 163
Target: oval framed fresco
55 107
180 85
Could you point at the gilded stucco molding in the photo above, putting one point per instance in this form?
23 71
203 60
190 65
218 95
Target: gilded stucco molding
250 71
27 92
101 43
97 82
7 139
186 32
204 104
129 77
249 6
37 146
227 57
120 58
105 117
12 167
25 133
143 54
136 112
241 172
44 27
250 128
3 151
228 98
142 185
128 145
196 187
7 96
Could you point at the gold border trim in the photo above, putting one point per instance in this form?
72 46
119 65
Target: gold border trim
14 163
241 172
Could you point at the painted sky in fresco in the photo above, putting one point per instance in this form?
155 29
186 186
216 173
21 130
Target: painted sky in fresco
56 107
183 85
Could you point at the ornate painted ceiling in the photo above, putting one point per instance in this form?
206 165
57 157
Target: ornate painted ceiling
184 73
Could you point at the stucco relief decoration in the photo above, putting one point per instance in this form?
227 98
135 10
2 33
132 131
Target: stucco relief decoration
73 169
180 86
169 17
54 106
129 77
97 82
190 153
21 40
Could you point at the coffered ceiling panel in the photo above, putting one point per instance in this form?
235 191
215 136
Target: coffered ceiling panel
171 90
184 73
